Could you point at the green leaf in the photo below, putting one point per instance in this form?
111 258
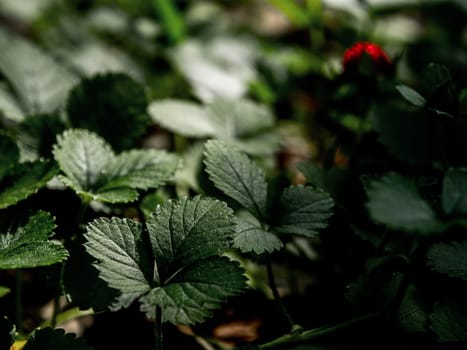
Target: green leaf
113 106
9 106
250 237
37 135
196 290
51 339
449 258
9 155
95 172
83 286
448 321
434 76
41 84
184 231
7 333
237 176
454 197
408 135
26 179
237 118
413 312
122 256
303 211
4 291
26 244
183 118
140 169
395 202
411 95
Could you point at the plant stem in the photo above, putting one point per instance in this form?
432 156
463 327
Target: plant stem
275 292
295 338
68 315
158 329
171 20
56 309
18 306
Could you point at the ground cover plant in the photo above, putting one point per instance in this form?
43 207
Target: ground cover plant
233 174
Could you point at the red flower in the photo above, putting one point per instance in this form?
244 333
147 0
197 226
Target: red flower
353 57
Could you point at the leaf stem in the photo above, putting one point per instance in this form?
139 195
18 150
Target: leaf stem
56 308
68 315
18 297
294 338
171 20
158 329
275 292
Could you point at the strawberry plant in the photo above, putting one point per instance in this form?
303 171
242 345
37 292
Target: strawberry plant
186 175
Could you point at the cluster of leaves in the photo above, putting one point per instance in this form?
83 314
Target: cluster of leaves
175 228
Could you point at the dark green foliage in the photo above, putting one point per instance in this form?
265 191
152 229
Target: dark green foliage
7 333
111 105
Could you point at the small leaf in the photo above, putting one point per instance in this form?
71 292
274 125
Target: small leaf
51 339
413 312
122 259
448 321
449 258
112 105
27 244
96 173
303 211
4 291
434 76
411 95
237 176
395 201
26 179
454 197
196 290
184 231
183 118
251 238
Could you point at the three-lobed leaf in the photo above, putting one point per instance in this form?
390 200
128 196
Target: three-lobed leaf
93 170
237 176
186 278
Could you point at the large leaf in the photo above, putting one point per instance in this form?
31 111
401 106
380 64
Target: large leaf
95 172
26 244
54 339
122 256
449 258
41 83
10 108
454 197
184 118
26 179
250 237
111 105
196 290
237 176
303 211
395 201
184 231
448 321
